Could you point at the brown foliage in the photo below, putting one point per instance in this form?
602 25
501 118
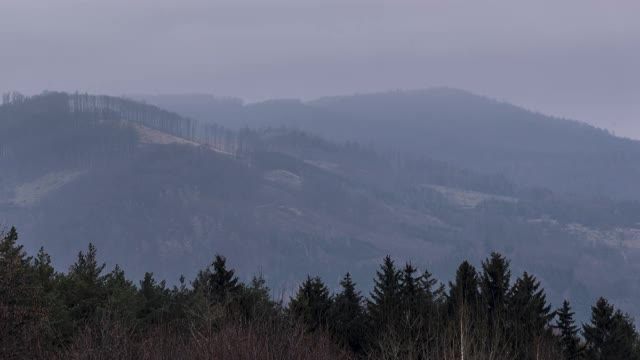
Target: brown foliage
233 341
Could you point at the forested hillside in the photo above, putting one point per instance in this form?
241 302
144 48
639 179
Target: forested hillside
91 311
467 130
158 192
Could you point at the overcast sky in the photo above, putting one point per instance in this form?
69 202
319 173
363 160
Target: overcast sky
572 58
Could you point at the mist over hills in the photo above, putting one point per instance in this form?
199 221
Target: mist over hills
293 188
467 130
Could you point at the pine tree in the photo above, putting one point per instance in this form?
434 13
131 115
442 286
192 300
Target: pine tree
411 295
427 284
181 298
348 317
529 316
217 283
44 271
21 310
385 300
431 299
569 340
464 291
312 304
84 288
154 300
610 335
496 277
123 301
11 251
255 301
463 302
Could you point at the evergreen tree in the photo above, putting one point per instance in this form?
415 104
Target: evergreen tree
44 271
312 304
180 300
496 277
385 300
427 284
84 287
610 335
569 340
529 316
463 306
411 295
217 283
348 317
255 300
464 291
123 301
431 299
21 310
58 316
154 299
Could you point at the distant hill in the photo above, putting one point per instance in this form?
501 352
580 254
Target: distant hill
156 191
464 129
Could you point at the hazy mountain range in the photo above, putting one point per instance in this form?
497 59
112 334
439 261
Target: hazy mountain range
291 188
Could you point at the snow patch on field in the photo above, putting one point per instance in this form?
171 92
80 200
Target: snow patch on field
284 177
151 136
323 164
468 198
30 193
627 238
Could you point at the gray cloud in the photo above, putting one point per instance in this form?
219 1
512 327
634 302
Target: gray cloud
575 58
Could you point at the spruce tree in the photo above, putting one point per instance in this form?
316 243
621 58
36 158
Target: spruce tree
84 287
21 308
154 300
312 304
569 340
610 334
124 302
385 299
529 315
255 301
496 277
48 279
427 285
410 292
217 283
44 271
463 303
431 299
463 292
348 317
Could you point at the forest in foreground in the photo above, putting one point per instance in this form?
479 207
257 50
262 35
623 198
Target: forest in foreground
92 313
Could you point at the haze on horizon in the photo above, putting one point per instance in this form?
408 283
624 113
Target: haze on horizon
574 59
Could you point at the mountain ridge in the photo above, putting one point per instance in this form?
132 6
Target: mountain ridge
291 202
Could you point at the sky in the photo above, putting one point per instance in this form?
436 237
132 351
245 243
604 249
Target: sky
577 59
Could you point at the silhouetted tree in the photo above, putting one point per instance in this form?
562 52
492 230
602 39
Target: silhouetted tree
495 281
348 316
21 310
154 300
384 305
312 304
569 339
529 316
610 334
217 282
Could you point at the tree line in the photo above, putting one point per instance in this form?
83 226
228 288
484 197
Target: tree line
89 313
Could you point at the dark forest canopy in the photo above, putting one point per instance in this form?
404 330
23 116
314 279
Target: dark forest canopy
90 311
